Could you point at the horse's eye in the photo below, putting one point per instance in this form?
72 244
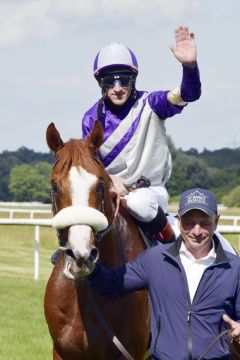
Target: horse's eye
54 187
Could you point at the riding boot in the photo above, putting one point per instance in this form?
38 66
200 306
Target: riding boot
159 228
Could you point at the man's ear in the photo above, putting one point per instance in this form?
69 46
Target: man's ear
179 219
216 220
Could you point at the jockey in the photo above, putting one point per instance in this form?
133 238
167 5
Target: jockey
135 148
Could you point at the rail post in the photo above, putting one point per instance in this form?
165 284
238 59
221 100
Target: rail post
36 252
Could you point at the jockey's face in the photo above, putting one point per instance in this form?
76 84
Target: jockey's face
197 230
118 94
117 85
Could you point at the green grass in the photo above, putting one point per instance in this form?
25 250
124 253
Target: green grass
23 331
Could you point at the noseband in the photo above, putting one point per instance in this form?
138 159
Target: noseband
100 230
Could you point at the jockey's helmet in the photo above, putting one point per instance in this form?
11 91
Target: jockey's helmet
114 57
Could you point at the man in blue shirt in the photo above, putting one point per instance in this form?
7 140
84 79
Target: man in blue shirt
193 284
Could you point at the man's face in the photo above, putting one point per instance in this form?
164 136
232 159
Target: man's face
197 229
118 94
117 85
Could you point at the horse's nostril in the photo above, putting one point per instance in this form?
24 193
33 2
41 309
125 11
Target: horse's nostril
80 262
94 254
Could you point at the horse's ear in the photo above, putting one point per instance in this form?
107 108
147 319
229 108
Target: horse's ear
53 137
95 138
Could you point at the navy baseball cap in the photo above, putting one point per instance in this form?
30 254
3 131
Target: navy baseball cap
200 199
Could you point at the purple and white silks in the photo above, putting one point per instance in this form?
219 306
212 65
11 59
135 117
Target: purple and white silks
132 148
135 138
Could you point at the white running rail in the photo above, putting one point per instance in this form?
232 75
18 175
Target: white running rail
223 229
235 219
30 212
34 222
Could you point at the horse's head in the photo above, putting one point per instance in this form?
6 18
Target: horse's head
80 186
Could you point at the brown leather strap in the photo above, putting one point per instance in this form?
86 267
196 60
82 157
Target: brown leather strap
100 234
231 340
106 327
215 341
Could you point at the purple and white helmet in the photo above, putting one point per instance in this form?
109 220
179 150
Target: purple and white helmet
115 55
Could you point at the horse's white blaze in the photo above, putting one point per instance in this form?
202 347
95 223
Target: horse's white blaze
81 183
79 235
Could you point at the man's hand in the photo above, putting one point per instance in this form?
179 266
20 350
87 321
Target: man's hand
234 326
185 49
118 185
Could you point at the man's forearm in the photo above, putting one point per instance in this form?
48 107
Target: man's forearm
191 85
107 282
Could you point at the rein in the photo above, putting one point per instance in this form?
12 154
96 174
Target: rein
230 340
106 327
100 234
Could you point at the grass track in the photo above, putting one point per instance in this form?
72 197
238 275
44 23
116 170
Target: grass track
23 330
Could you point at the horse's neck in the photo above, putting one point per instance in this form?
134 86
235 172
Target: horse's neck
123 243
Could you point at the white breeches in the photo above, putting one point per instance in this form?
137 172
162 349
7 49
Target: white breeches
143 203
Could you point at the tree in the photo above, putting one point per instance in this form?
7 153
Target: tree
30 183
233 198
9 159
188 171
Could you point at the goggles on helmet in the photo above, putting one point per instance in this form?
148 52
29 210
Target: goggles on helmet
109 81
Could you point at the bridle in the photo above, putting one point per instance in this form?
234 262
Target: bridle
99 235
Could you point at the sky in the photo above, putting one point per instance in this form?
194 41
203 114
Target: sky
47 49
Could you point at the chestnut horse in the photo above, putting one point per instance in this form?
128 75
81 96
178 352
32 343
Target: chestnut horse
83 205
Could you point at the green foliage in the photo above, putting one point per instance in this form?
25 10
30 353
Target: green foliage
217 171
30 183
9 159
188 171
233 198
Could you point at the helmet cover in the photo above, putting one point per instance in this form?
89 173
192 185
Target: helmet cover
115 55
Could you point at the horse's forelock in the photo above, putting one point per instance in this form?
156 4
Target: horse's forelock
79 153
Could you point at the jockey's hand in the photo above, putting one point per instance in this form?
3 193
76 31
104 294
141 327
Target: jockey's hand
234 326
118 185
185 49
